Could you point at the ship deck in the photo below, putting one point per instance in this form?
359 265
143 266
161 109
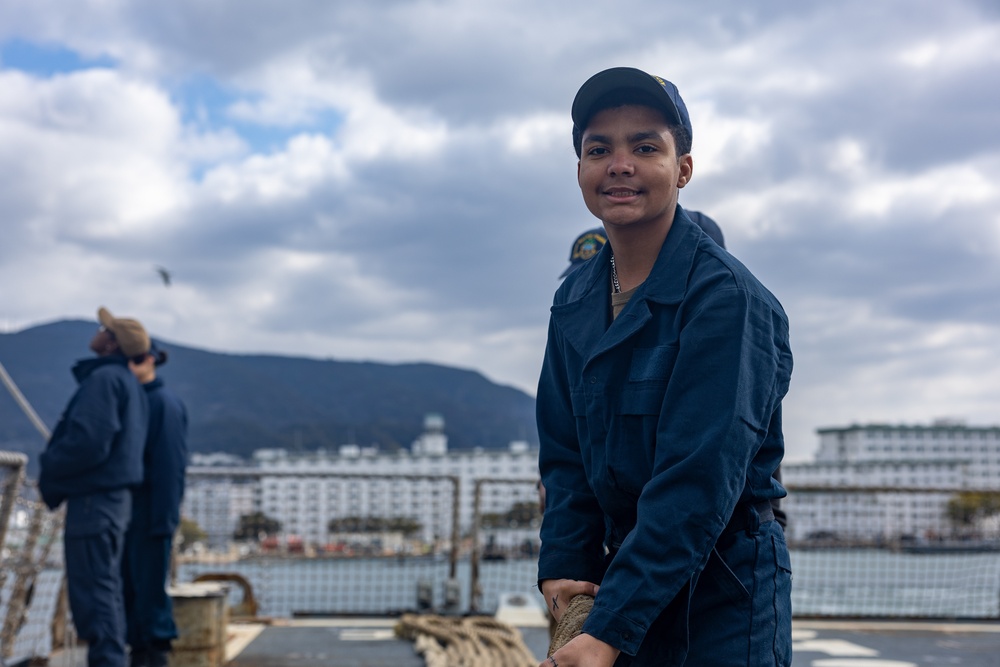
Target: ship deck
370 642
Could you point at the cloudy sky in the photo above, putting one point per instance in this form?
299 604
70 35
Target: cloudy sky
394 180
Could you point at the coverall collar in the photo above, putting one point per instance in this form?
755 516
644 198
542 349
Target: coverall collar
153 384
585 320
84 367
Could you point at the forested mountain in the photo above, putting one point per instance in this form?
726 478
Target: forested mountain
239 403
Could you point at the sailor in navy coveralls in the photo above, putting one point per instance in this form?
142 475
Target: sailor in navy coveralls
659 413
92 462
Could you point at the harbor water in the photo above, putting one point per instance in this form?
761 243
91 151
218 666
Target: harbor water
826 583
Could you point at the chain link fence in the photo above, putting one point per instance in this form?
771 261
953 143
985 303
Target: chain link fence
325 543
33 607
894 552
316 543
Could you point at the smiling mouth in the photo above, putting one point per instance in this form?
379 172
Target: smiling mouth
621 192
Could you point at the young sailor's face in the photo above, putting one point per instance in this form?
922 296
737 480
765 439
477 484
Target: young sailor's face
629 171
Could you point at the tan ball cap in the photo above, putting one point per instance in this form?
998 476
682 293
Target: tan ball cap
130 334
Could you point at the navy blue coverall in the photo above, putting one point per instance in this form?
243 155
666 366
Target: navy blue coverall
660 432
91 462
155 517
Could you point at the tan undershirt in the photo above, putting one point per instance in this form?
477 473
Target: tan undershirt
620 300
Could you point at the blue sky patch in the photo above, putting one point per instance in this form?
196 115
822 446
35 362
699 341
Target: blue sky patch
47 59
204 103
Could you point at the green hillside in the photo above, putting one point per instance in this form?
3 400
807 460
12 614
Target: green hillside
239 403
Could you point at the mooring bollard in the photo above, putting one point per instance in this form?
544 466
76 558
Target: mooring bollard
201 611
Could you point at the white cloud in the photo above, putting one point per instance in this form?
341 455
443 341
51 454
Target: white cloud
100 153
529 134
418 201
290 174
920 55
373 131
970 46
930 193
722 144
848 158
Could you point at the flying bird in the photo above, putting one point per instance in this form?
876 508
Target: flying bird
164 274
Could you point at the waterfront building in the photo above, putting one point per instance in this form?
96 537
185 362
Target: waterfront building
882 483
360 481
216 505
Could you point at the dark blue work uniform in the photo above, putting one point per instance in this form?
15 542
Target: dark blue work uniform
155 517
92 460
660 432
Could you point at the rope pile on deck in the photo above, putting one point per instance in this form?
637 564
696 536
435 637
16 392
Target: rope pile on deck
473 641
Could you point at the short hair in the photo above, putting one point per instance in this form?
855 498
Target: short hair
639 98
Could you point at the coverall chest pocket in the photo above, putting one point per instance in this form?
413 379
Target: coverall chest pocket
652 364
637 415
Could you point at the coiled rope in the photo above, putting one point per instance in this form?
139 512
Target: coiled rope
473 641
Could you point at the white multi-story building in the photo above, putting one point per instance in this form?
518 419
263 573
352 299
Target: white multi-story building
216 505
306 491
881 482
